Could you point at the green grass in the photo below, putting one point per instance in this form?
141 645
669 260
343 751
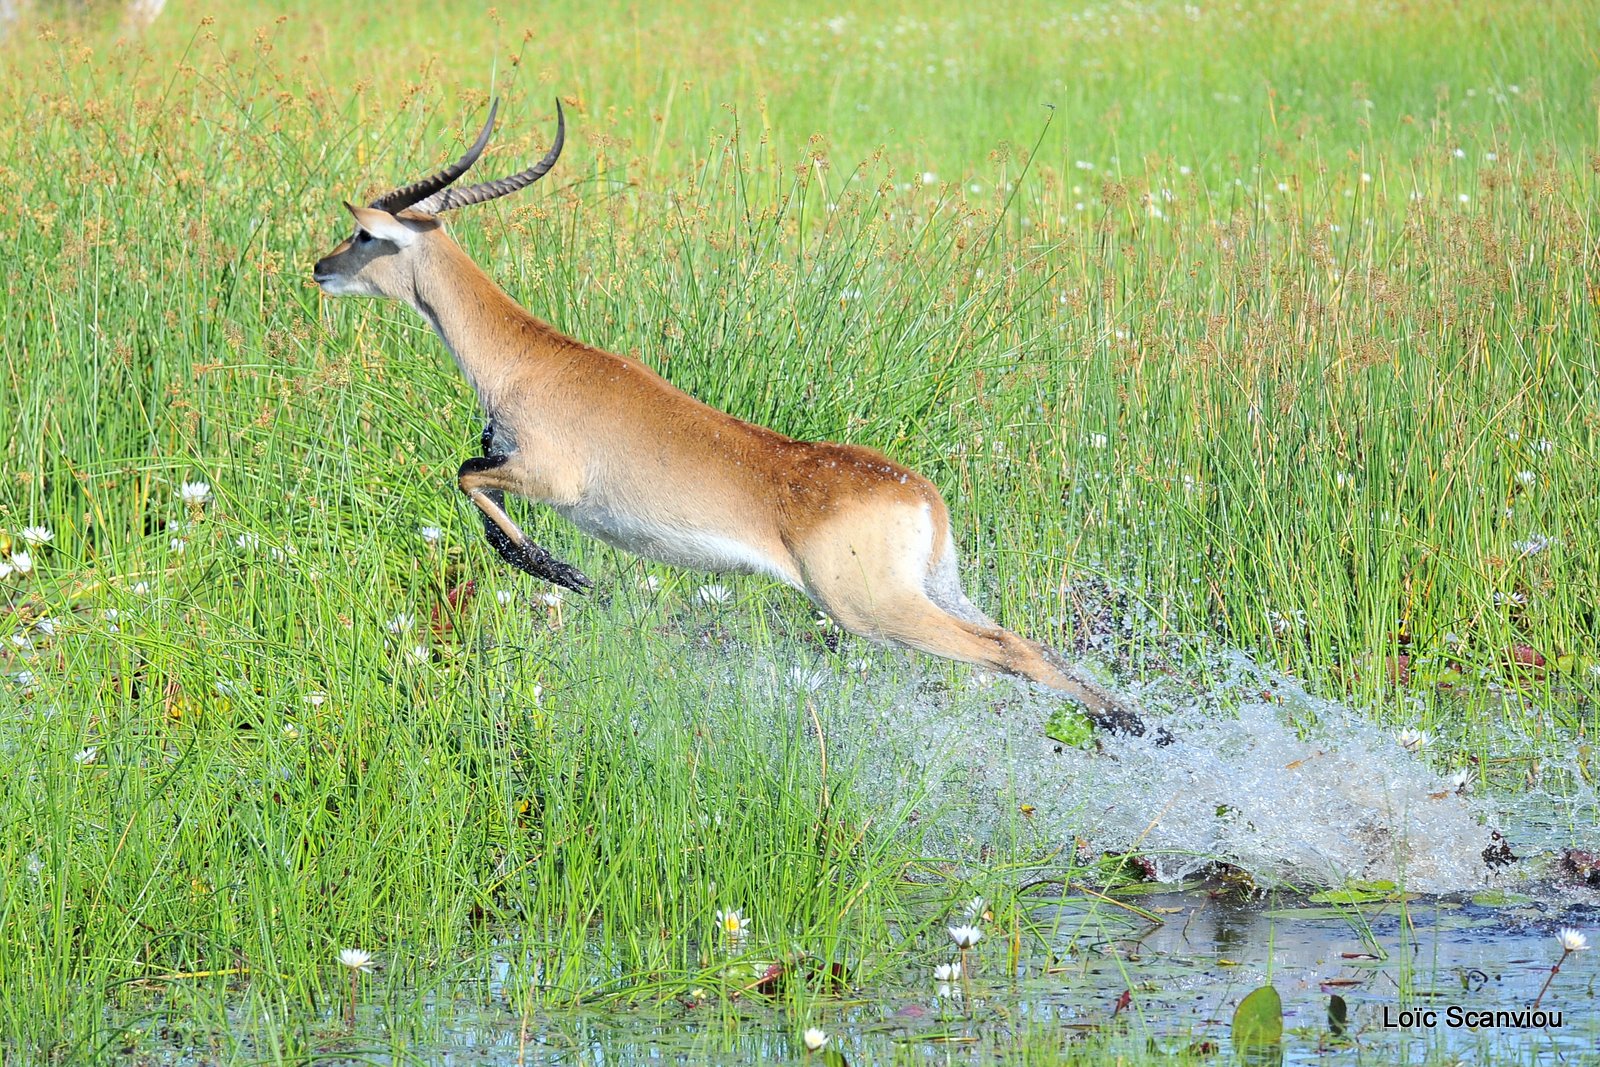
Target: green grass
1281 320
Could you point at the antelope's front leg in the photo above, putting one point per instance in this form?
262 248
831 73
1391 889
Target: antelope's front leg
480 478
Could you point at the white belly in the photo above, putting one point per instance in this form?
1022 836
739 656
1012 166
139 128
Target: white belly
679 545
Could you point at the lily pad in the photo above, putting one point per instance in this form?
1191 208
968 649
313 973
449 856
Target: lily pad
1499 898
1258 1020
1381 891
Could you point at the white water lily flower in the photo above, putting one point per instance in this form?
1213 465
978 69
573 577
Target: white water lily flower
1412 740
505 596
419 654
735 926
315 698
22 562
248 541
965 936
431 534
5 570
36 535
977 909
1526 477
400 623
713 594
947 972
814 1039
195 493
355 959
177 545
86 756
1572 941
552 598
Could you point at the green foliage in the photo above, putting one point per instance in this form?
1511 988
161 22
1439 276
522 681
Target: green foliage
1258 1020
1071 727
1286 327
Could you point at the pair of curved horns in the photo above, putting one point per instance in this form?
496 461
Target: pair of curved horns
432 195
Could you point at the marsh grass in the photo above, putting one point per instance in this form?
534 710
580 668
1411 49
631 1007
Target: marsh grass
1280 323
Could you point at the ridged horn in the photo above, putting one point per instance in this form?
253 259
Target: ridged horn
446 199
408 195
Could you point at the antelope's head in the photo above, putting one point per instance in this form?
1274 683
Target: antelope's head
394 231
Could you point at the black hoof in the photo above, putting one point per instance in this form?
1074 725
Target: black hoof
1116 720
541 564
535 560
538 562
1498 853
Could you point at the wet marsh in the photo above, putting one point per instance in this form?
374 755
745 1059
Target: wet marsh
1259 370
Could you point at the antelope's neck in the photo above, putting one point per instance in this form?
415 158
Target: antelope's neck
486 331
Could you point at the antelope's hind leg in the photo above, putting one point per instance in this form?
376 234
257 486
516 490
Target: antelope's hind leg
479 479
900 593
927 626
1003 650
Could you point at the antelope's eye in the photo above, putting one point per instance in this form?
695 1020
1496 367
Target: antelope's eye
362 237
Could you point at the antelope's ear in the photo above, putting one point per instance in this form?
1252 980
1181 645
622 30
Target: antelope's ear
382 225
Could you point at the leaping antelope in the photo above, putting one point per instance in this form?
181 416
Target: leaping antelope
628 458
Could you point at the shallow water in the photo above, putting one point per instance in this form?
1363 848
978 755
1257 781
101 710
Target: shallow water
1185 976
1262 778
1434 954
1289 788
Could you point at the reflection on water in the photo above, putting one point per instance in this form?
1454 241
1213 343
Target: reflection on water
1380 958
1185 976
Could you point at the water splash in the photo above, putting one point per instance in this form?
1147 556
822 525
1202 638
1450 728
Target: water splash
1296 789
1339 801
